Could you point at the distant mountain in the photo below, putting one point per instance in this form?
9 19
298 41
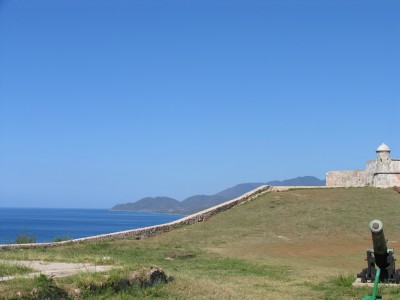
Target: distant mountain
200 202
149 204
299 181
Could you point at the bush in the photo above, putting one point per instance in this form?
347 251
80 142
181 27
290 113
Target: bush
47 288
23 238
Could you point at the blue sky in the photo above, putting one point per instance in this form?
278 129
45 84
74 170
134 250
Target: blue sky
104 102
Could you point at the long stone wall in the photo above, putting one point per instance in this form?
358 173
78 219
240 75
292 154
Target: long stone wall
361 178
346 178
149 231
385 180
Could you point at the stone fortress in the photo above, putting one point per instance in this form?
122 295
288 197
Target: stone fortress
383 172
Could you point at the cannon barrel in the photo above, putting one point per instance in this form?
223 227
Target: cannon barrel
380 258
379 241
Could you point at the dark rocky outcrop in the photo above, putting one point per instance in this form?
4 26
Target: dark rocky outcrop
149 278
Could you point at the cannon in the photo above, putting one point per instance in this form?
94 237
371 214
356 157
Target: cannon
380 256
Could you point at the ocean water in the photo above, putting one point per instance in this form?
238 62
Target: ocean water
45 224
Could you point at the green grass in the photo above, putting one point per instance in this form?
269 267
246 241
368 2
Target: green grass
299 244
8 269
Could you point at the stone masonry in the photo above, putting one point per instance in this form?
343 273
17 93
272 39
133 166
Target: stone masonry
383 172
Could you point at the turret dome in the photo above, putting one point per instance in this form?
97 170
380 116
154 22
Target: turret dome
383 148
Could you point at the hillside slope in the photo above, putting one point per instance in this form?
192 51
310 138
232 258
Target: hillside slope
297 244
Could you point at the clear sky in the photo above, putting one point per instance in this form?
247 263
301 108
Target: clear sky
105 102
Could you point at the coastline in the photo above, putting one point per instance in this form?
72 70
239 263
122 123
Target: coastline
150 212
41 225
141 233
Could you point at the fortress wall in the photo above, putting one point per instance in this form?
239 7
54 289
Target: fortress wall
395 166
371 166
347 178
383 172
385 180
141 233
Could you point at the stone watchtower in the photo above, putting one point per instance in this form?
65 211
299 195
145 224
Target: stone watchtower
382 172
383 158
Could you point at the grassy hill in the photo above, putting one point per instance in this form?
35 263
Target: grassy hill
298 244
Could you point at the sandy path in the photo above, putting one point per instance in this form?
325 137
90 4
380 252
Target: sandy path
54 269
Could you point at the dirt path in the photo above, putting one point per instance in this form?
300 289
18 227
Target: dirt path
54 269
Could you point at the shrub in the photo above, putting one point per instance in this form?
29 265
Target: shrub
47 288
23 238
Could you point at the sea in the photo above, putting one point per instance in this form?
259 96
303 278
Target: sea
48 224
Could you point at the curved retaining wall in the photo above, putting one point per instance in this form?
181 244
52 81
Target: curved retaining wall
144 232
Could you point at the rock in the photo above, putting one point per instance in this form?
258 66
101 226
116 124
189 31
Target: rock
143 279
155 277
122 284
135 280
